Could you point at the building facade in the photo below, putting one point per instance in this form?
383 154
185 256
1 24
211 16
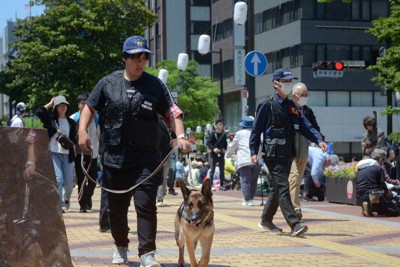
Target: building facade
179 26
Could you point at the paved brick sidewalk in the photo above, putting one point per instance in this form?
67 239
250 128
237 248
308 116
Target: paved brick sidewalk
338 236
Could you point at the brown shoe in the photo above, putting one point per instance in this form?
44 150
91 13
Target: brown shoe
366 209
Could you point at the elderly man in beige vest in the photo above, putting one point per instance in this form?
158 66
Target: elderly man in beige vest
300 96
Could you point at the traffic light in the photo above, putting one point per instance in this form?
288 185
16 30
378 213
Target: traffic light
328 65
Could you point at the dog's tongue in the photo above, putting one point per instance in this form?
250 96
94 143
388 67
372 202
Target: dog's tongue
192 224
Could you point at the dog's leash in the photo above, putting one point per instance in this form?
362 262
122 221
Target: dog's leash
87 176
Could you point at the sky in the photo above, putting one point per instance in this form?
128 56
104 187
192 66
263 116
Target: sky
12 9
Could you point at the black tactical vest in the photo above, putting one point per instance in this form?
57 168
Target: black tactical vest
278 141
128 122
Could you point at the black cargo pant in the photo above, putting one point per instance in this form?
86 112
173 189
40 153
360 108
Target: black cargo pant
144 197
279 196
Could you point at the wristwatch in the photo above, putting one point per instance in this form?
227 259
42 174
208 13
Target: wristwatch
29 162
182 136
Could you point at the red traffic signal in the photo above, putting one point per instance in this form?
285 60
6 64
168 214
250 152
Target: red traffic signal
328 65
339 65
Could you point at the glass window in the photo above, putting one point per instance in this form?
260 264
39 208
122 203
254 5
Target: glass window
337 10
338 99
200 27
286 13
294 56
306 9
200 2
228 28
258 23
338 52
355 9
320 11
379 8
366 55
321 52
317 99
380 100
286 58
355 52
308 55
361 99
216 72
268 20
365 10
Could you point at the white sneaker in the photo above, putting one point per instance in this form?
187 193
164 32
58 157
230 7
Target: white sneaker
148 260
120 255
247 203
159 204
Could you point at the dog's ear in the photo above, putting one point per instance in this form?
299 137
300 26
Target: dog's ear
185 191
206 188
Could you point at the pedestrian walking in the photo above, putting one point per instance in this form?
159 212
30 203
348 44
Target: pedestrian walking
86 186
300 97
247 170
217 144
129 102
277 119
59 126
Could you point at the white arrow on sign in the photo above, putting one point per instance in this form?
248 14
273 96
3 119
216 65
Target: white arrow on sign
255 60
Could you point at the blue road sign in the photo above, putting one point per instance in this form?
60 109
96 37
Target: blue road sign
255 63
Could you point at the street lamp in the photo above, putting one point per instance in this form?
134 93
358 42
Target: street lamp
204 48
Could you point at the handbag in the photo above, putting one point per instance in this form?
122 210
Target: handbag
64 140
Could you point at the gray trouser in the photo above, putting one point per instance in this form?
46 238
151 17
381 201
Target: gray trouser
248 180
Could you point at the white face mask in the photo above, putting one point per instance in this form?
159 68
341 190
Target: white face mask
286 88
302 101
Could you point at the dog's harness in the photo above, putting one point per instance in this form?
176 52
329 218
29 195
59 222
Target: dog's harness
205 222
183 213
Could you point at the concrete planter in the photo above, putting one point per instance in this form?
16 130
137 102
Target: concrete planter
340 190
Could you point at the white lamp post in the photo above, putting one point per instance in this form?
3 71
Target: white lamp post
204 47
163 75
182 63
240 13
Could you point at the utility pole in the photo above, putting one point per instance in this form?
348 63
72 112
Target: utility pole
251 81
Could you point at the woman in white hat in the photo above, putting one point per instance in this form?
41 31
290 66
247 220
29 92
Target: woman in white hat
54 116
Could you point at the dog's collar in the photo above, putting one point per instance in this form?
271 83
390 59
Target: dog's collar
185 216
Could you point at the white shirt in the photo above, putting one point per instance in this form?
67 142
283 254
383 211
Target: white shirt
16 121
93 133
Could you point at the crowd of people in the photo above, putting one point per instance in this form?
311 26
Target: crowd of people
129 123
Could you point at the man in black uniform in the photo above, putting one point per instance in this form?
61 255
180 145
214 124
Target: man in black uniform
128 102
217 144
372 192
278 119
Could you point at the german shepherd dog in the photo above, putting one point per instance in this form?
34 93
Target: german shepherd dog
194 222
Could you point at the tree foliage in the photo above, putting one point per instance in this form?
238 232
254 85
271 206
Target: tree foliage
387 30
196 94
71 46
